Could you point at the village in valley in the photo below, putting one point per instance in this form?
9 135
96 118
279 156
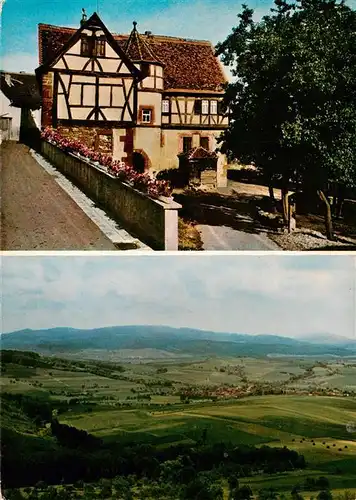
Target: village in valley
126 142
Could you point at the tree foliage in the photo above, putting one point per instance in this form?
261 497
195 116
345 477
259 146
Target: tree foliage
293 101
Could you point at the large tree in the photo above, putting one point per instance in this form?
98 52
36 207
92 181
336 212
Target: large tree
293 100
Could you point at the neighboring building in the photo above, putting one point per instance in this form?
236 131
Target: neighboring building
19 98
144 98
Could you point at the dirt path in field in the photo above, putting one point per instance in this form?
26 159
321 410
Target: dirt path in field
37 214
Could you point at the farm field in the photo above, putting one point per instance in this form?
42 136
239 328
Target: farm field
303 374
135 403
313 426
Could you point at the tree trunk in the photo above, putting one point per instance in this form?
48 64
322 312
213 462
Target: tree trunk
340 200
284 193
328 219
272 198
271 193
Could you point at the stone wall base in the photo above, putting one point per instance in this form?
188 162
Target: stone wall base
155 222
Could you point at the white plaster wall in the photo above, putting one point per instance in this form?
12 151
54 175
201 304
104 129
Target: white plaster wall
74 97
62 107
111 65
15 113
118 146
118 98
89 94
75 49
148 82
148 140
151 99
76 61
59 64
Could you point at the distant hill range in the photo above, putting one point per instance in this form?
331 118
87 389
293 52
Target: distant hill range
162 341
330 339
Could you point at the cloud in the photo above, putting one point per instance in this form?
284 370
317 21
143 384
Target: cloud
251 294
19 61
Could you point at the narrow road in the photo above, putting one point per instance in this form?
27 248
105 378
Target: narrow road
226 238
37 214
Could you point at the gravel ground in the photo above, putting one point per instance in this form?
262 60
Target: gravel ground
309 240
36 213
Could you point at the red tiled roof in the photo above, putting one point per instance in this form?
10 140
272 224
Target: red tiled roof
188 64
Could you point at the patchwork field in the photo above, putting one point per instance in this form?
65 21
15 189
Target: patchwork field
293 373
313 426
142 403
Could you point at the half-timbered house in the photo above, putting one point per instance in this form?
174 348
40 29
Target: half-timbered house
145 98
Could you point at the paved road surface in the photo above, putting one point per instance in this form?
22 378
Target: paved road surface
226 238
36 213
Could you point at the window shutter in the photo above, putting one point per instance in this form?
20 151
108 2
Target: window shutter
197 106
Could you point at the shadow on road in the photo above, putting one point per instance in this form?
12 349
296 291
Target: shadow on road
214 209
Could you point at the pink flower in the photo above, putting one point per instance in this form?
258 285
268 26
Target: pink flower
142 182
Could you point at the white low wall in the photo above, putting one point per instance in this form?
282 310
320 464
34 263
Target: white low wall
155 222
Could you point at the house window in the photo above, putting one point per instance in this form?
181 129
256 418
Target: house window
100 47
197 107
165 106
84 46
213 107
146 115
205 107
187 144
204 142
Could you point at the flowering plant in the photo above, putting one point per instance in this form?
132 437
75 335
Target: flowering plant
142 182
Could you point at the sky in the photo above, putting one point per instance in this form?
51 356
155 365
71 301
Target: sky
289 295
202 19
